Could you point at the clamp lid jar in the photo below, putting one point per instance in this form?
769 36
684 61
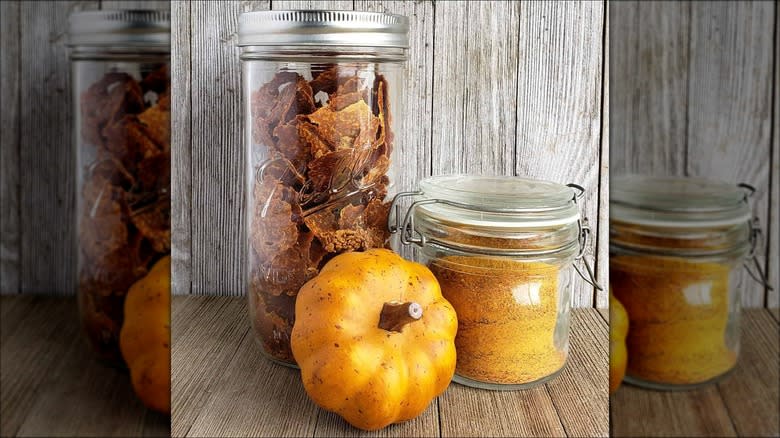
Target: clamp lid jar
502 249
677 246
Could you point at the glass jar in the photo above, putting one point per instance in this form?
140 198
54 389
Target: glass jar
121 124
502 249
322 91
676 247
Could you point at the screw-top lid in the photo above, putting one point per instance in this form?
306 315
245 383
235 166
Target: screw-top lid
323 28
143 28
677 202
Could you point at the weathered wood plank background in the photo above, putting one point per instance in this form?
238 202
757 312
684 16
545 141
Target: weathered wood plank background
526 80
37 171
691 94
491 87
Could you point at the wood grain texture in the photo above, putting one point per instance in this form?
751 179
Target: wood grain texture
474 83
601 300
51 383
223 386
775 312
639 412
10 45
691 95
413 139
136 4
773 217
181 148
217 156
205 334
559 109
649 86
751 393
583 386
47 162
730 103
744 403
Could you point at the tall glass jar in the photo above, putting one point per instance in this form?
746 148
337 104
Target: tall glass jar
321 93
676 247
121 122
503 250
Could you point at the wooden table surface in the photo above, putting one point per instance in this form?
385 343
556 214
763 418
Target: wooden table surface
52 385
223 386
744 403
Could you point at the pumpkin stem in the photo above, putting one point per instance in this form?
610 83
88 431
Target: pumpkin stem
395 316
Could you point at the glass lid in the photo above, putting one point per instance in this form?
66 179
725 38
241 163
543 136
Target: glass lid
499 201
677 201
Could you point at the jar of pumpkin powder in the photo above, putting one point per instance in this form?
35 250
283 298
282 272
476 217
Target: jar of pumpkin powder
503 250
677 250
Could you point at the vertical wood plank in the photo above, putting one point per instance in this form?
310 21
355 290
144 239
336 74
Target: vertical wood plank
648 87
136 4
773 216
181 142
559 88
729 111
413 141
9 153
474 86
217 157
413 137
601 301
47 170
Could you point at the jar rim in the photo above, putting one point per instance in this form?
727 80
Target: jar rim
677 202
501 215
501 202
322 28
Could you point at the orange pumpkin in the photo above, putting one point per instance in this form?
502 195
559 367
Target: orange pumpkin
145 336
618 354
374 338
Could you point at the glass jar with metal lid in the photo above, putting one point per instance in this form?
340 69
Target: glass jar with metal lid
502 249
676 248
322 92
121 124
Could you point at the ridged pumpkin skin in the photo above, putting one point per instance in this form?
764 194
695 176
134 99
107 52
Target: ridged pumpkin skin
618 354
370 376
145 336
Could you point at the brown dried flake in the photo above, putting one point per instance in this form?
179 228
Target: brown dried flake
154 223
124 217
339 128
155 124
322 188
103 226
274 227
106 101
329 79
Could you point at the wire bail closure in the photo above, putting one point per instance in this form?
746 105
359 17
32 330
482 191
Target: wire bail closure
408 234
756 236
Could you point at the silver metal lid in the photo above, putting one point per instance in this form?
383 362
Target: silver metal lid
323 28
143 28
